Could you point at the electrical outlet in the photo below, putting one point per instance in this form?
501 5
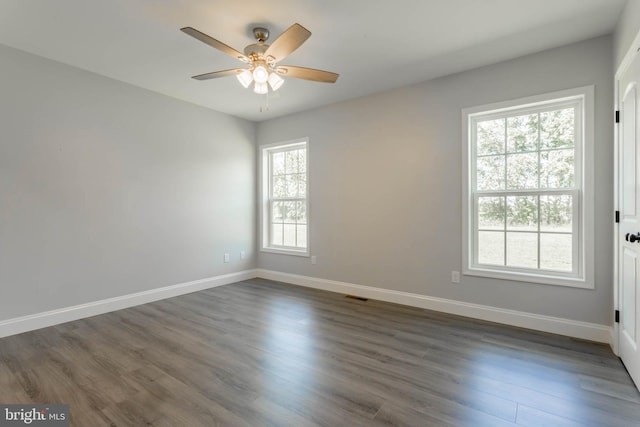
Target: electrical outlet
314 260
243 254
455 277
226 257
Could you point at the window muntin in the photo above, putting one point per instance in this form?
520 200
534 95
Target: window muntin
525 191
285 216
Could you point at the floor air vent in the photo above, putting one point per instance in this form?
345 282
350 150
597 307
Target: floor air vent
355 297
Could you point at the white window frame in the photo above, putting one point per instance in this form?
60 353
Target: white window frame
583 220
265 201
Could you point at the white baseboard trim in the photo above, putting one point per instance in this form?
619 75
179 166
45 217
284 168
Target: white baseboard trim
54 317
613 340
567 327
555 325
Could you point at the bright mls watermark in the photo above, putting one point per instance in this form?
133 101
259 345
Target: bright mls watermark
34 415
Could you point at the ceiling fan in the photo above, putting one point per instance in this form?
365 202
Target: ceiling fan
263 59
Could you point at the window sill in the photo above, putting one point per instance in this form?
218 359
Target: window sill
294 252
533 278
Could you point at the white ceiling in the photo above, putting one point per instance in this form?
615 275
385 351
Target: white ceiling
373 45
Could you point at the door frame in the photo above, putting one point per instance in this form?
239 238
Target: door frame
626 61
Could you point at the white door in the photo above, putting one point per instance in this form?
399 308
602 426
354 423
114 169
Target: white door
629 239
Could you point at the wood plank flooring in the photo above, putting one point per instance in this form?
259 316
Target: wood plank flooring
262 353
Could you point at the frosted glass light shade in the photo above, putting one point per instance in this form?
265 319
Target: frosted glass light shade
245 78
260 88
275 81
260 74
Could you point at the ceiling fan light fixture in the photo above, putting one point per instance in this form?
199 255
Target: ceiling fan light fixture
260 74
275 81
260 88
245 78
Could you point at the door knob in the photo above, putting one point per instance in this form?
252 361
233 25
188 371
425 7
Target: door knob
632 237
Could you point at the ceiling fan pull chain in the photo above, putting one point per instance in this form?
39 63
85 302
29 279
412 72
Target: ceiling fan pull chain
266 103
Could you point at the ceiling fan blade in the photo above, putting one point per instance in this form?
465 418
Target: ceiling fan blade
216 74
287 42
215 43
307 74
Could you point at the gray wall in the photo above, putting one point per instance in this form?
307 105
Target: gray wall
107 189
628 27
385 183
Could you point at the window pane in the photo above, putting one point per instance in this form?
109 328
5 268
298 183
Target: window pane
491 247
277 213
556 213
277 163
557 169
522 213
522 133
279 186
289 235
522 250
557 129
302 236
490 173
276 234
292 185
289 212
291 161
491 213
302 185
490 137
522 171
301 212
302 161
556 252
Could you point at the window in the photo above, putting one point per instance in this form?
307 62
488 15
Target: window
528 195
284 198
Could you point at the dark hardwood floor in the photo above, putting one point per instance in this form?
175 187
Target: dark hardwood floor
261 353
